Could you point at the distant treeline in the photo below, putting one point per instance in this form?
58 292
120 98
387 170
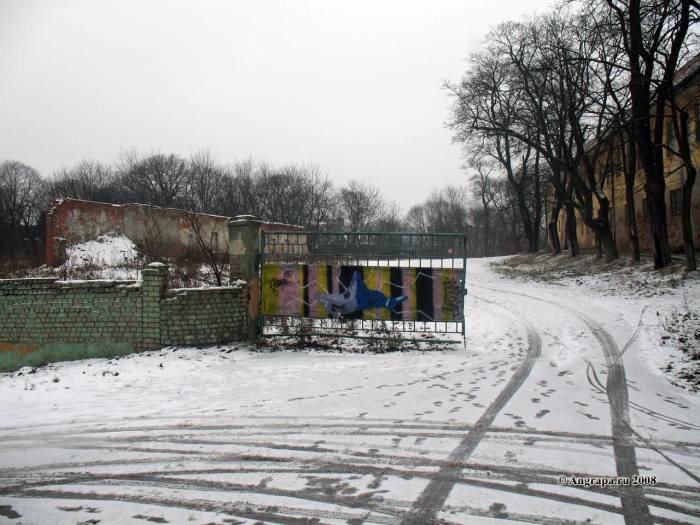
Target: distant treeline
293 194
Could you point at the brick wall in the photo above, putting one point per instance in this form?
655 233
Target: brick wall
202 316
155 231
47 320
158 232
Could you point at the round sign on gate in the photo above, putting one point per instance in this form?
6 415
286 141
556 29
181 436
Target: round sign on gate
450 250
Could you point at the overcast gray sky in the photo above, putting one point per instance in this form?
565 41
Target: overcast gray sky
353 86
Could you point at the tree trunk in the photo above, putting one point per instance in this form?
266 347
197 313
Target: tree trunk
632 225
519 188
553 226
525 217
598 247
603 231
605 240
571 233
608 244
683 136
601 226
656 202
487 234
630 175
538 206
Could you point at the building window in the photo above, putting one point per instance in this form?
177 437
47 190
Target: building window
617 160
670 137
676 201
645 211
639 160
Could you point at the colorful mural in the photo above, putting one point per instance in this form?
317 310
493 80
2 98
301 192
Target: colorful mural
362 292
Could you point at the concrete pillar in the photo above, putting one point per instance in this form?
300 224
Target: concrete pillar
155 281
244 250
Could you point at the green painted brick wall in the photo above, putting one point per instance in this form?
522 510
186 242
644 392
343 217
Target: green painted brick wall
203 316
47 320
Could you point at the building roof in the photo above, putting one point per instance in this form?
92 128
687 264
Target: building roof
687 71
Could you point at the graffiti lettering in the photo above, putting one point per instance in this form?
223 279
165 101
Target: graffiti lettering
452 299
276 284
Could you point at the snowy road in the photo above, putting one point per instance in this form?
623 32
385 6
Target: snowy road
554 385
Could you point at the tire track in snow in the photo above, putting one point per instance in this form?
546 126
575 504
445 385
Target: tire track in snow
239 509
377 466
383 428
164 480
346 462
634 504
595 382
498 479
434 496
633 500
389 508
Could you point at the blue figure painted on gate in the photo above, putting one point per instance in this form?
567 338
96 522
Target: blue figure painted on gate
357 297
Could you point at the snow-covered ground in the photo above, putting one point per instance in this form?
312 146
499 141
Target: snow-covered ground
110 256
556 382
113 256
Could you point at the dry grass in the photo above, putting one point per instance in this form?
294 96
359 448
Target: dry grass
680 329
619 277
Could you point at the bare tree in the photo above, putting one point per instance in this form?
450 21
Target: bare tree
389 219
204 184
361 204
89 180
415 219
22 198
680 147
239 194
493 119
533 87
483 189
20 193
323 199
295 195
208 248
156 179
653 36
446 210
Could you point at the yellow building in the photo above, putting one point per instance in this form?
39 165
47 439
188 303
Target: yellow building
687 83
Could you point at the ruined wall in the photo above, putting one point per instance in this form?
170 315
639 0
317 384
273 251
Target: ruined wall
205 316
158 232
47 320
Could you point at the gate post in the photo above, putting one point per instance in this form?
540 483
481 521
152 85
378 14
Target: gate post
244 250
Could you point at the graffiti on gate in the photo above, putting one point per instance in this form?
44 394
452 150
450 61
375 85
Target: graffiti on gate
363 292
275 284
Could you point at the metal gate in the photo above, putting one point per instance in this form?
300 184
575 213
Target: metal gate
362 285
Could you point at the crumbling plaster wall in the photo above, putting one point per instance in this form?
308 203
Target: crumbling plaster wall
155 231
